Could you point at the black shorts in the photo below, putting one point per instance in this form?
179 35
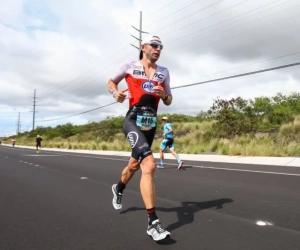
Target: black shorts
139 140
38 145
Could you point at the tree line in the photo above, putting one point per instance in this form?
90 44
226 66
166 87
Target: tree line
232 117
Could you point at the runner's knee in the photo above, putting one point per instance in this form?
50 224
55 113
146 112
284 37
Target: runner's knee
148 166
133 166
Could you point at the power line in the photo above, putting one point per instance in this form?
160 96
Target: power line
238 34
235 76
205 28
78 113
195 12
161 18
161 8
188 85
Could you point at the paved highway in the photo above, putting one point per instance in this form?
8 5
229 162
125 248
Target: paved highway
53 201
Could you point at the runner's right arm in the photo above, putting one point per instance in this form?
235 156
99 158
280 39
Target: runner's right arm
112 84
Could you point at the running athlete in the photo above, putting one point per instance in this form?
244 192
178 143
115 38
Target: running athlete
38 145
168 142
13 142
147 83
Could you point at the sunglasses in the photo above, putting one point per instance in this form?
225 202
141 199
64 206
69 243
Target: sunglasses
156 45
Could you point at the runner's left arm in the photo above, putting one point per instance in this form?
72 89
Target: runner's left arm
168 97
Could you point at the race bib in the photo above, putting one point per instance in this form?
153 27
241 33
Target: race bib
146 120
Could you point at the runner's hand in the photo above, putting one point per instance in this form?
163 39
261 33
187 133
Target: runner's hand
159 91
120 95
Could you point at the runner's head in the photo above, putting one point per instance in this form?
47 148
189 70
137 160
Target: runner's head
151 48
164 119
37 136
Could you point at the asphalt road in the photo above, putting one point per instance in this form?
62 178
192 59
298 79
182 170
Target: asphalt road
62 201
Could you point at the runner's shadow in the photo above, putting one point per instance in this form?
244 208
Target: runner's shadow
187 210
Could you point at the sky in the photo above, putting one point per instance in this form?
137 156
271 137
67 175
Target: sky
67 50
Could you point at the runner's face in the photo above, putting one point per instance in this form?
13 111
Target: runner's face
153 51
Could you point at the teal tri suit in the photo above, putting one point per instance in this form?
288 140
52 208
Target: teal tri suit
169 138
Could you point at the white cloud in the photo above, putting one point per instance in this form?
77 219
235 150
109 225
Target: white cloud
67 50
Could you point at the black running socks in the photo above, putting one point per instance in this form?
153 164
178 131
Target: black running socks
151 215
120 187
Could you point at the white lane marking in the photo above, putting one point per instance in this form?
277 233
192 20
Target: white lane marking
264 223
218 168
83 178
41 155
228 169
245 170
37 165
6 157
21 161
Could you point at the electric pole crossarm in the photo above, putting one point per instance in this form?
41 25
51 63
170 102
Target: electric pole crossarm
134 46
135 37
140 34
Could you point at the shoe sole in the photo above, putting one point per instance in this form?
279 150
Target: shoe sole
180 165
160 238
115 197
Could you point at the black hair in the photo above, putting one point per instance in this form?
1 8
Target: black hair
141 55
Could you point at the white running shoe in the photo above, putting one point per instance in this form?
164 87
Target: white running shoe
117 199
157 232
180 164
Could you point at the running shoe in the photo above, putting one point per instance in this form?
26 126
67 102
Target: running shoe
117 199
180 164
157 232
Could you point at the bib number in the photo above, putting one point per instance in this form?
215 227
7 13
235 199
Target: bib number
146 120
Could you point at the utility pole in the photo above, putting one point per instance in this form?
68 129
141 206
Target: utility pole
34 104
140 34
18 125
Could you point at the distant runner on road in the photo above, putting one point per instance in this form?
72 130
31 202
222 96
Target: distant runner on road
168 141
38 141
13 142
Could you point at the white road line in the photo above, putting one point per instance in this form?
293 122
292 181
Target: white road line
41 155
246 170
204 167
264 223
217 168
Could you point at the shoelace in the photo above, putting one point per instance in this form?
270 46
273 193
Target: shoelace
159 228
119 198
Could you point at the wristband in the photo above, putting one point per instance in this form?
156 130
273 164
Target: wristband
114 93
166 98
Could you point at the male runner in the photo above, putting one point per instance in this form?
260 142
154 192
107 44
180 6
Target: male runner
168 142
38 141
148 83
13 142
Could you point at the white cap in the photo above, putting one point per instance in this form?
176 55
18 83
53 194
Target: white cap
150 39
